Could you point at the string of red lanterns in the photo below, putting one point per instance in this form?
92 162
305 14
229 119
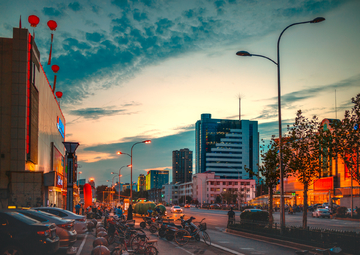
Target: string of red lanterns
34 21
52 25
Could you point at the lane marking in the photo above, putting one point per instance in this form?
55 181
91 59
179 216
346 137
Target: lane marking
82 245
224 248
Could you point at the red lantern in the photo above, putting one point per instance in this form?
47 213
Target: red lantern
52 25
87 195
33 20
59 94
55 68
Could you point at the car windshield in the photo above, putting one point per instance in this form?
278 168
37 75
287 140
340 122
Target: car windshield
323 210
177 207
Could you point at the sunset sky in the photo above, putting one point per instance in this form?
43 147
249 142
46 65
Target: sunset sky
147 69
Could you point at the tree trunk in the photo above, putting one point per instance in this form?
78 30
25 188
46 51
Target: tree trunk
305 206
271 206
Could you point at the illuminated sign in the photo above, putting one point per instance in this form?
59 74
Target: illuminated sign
324 184
60 127
59 181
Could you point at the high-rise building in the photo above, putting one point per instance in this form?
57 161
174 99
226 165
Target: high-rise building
156 178
225 147
182 165
141 184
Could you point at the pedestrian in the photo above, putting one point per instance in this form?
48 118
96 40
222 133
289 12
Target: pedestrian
130 213
231 216
77 208
149 212
119 212
54 205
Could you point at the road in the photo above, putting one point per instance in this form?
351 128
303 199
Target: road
217 219
223 243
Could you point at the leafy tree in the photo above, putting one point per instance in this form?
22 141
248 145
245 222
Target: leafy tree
304 143
102 193
346 139
269 170
218 199
229 196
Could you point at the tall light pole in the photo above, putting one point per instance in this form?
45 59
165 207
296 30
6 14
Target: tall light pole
131 165
247 54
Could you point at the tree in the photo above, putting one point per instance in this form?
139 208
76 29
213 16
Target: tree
304 142
269 170
229 196
346 139
218 199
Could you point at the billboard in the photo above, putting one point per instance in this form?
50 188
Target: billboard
58 161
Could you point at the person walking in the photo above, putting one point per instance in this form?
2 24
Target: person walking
77 208
130 213
231 217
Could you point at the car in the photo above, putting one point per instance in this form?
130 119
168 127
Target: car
20 234
80 220
192 205
215 206
186 206
64 227
321 212
176 209
252 210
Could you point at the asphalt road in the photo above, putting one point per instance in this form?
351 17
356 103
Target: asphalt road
223 243
218 219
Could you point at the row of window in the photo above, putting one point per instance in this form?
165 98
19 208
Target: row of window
229 189
230 183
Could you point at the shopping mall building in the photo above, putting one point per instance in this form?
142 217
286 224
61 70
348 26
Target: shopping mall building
32 128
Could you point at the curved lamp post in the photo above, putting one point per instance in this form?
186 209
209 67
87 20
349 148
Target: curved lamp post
131 165
247 54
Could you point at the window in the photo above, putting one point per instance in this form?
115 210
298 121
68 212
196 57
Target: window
217 183
230 183
224 183
224 189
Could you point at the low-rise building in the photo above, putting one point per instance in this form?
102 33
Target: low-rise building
207 186
170 193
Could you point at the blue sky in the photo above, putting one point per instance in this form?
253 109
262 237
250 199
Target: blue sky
147 69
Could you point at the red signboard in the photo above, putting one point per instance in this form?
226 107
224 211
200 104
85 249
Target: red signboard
326 183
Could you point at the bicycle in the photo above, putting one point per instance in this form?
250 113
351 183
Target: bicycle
145 246
183 236
329 251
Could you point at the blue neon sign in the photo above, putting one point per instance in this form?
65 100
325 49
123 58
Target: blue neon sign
60 127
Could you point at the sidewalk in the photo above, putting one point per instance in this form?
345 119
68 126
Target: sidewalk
163 246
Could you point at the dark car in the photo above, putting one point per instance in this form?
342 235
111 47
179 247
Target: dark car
64 227
20 234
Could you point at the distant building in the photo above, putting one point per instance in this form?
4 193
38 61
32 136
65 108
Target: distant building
126 186
154 195
170 193
156 178
226 147
182 165
141 184
207 186
81 182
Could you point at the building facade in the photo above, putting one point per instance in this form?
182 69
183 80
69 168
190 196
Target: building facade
334 185
32 128
141 184
182 165
154 195
170 193
156 179
185 192
207 186
226 147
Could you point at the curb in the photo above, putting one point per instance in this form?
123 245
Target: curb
279 242
271 240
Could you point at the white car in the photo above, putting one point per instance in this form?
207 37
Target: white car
321 212
176 209
80 220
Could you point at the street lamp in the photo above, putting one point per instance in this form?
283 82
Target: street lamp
131 165
247 54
